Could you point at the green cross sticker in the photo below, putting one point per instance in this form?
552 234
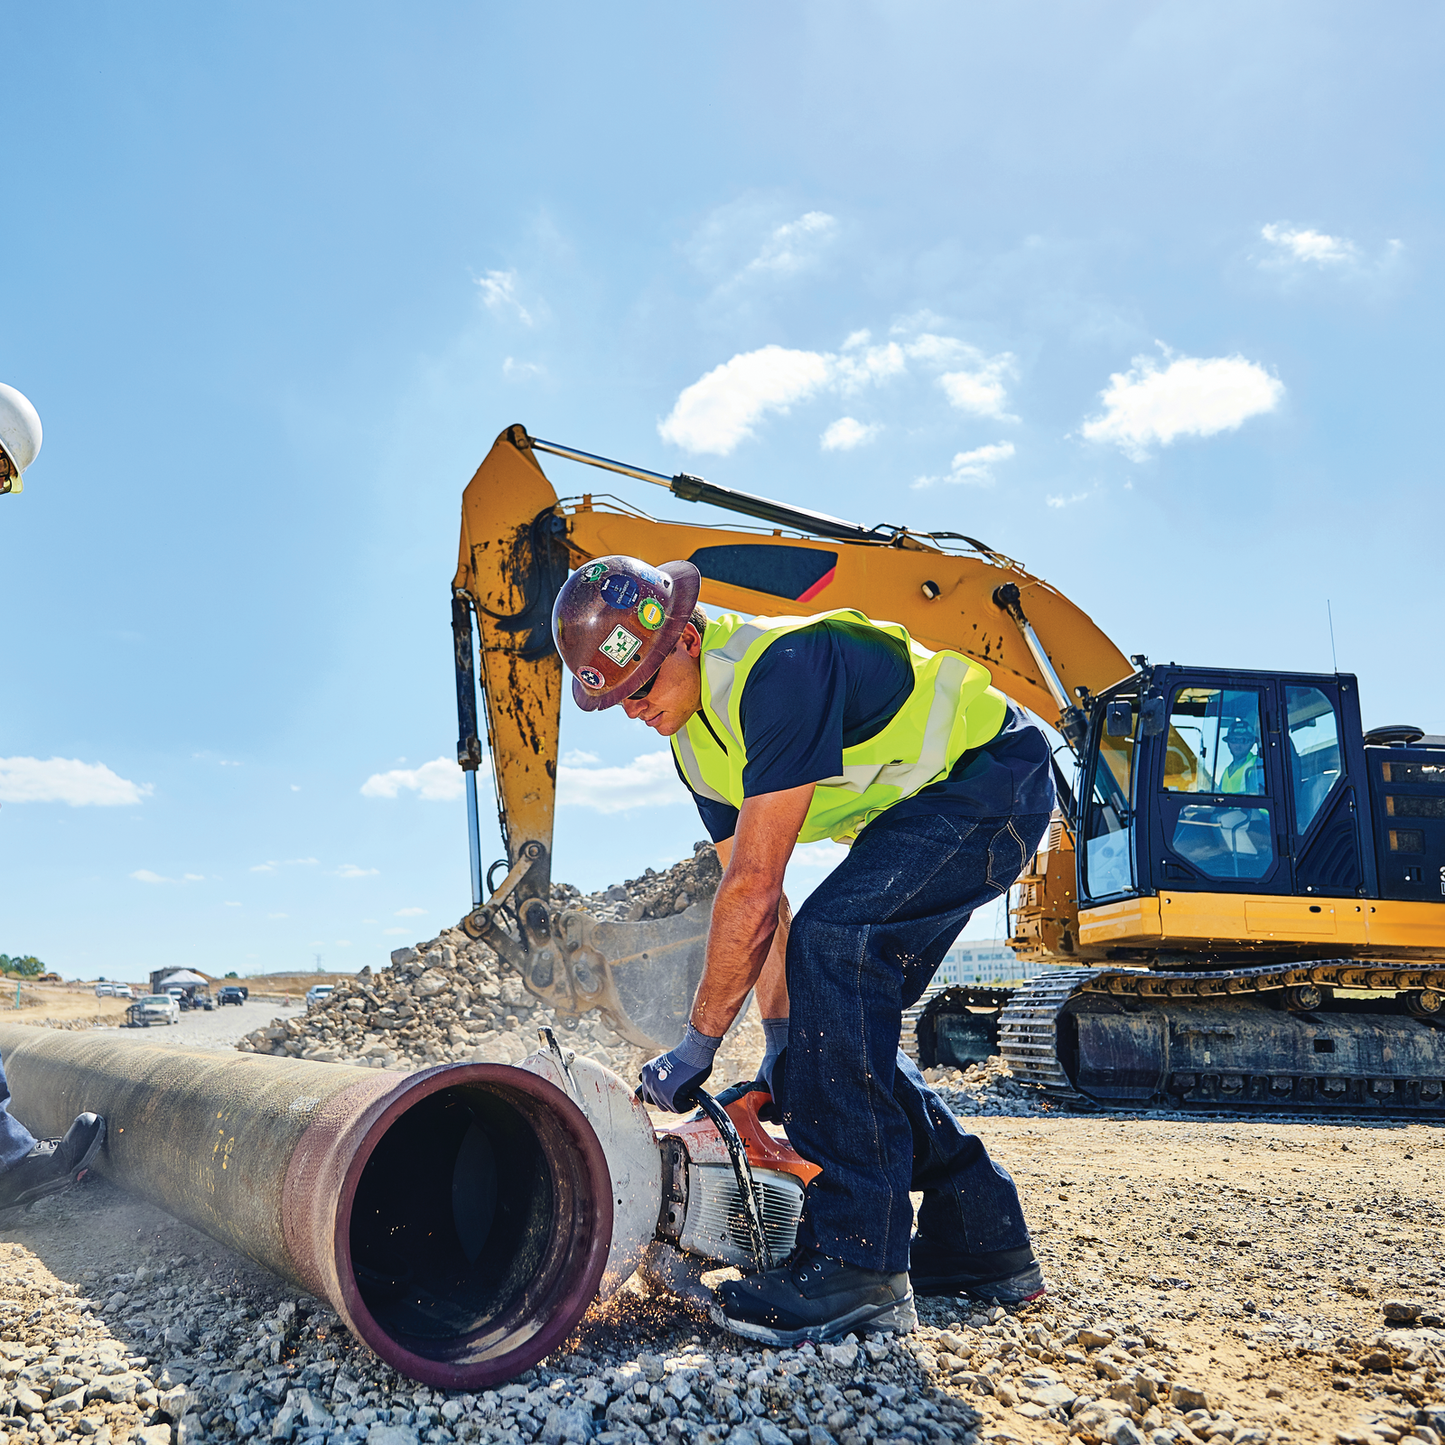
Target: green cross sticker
620 645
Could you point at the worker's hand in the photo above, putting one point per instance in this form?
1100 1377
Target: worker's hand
670 1080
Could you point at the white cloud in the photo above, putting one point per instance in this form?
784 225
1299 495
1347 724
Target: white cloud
144 875
981 391
66 780
722 408
409 912
1062 501
826 854
1191 396
1313 246
579 758
439 781
499 293
972 468
648 781
271 864
793 246
350 870
193 878
515 370
846 433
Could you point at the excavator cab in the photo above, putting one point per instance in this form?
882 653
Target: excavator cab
1231 814
1205 781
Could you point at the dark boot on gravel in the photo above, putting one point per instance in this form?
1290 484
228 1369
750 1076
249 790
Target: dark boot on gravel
815 1297
53 1164
1006 1277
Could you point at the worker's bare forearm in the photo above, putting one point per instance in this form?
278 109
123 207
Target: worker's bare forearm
743 923
746 912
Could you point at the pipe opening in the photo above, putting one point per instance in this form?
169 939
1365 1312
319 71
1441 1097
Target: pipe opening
479 1225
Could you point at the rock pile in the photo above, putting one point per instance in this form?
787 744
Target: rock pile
451 999
988 1088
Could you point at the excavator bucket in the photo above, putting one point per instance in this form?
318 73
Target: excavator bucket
514 556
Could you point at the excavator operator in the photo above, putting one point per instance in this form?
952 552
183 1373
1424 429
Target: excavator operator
795 729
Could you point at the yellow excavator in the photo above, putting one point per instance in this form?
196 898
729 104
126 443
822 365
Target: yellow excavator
1245 888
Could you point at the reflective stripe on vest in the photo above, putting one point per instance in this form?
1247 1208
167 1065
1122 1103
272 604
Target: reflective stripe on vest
952 708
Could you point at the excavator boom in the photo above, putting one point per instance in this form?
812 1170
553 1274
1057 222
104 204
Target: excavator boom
518 543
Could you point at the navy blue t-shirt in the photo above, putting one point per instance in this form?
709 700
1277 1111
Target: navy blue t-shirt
837 683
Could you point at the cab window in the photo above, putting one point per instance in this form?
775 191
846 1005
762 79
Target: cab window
1108 864
1215 742
1314 751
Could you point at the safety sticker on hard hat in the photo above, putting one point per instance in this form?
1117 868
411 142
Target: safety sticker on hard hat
620 591
590 676
650 613
620 645
593 572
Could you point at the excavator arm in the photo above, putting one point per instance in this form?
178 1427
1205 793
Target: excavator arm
518 543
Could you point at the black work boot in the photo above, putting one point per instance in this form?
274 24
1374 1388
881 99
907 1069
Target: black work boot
815 1297
1006 1277
53 1164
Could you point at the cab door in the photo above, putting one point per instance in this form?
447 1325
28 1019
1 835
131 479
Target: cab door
1218 809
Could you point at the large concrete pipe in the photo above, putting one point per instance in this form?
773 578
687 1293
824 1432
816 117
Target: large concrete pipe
458 1219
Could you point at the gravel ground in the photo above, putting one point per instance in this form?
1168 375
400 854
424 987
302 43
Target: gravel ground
1225 1281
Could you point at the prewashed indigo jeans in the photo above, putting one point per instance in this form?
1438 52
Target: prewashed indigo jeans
16 1141
863 948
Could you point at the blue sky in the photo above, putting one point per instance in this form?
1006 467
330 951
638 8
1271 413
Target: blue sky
1151 296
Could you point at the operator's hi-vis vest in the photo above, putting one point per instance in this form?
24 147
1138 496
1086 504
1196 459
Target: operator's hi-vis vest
952 708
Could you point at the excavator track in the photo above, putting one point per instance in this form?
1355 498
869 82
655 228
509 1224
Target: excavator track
1220 1041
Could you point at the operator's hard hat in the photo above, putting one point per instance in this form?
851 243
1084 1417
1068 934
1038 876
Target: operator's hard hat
616 619
19 435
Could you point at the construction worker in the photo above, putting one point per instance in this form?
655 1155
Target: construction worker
20 437
1244 772
790 729
31 1168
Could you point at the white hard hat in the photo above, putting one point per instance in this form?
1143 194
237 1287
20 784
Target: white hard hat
19 433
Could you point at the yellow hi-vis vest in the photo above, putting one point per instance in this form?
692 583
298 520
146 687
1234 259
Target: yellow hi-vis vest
952 708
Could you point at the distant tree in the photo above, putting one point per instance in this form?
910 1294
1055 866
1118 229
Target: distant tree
27 967
233 975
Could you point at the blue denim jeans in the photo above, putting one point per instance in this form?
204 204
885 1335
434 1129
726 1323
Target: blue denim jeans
863 947
16 1141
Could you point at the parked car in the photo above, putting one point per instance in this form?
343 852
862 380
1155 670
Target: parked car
319 991
122 990
157 1008
231 993
104 989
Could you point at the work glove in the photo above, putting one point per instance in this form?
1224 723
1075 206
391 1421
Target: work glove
669 1080
775 1031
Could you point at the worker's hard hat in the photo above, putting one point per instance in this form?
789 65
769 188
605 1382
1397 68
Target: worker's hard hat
19 435
616 619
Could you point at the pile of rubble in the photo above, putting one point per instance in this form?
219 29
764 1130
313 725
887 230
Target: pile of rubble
452 1000
987 1088
653 895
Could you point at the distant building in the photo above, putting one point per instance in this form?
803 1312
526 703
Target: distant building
983 961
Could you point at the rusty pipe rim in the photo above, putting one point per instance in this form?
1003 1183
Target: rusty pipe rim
565 1254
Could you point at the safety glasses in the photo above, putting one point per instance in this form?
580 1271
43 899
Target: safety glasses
645 688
